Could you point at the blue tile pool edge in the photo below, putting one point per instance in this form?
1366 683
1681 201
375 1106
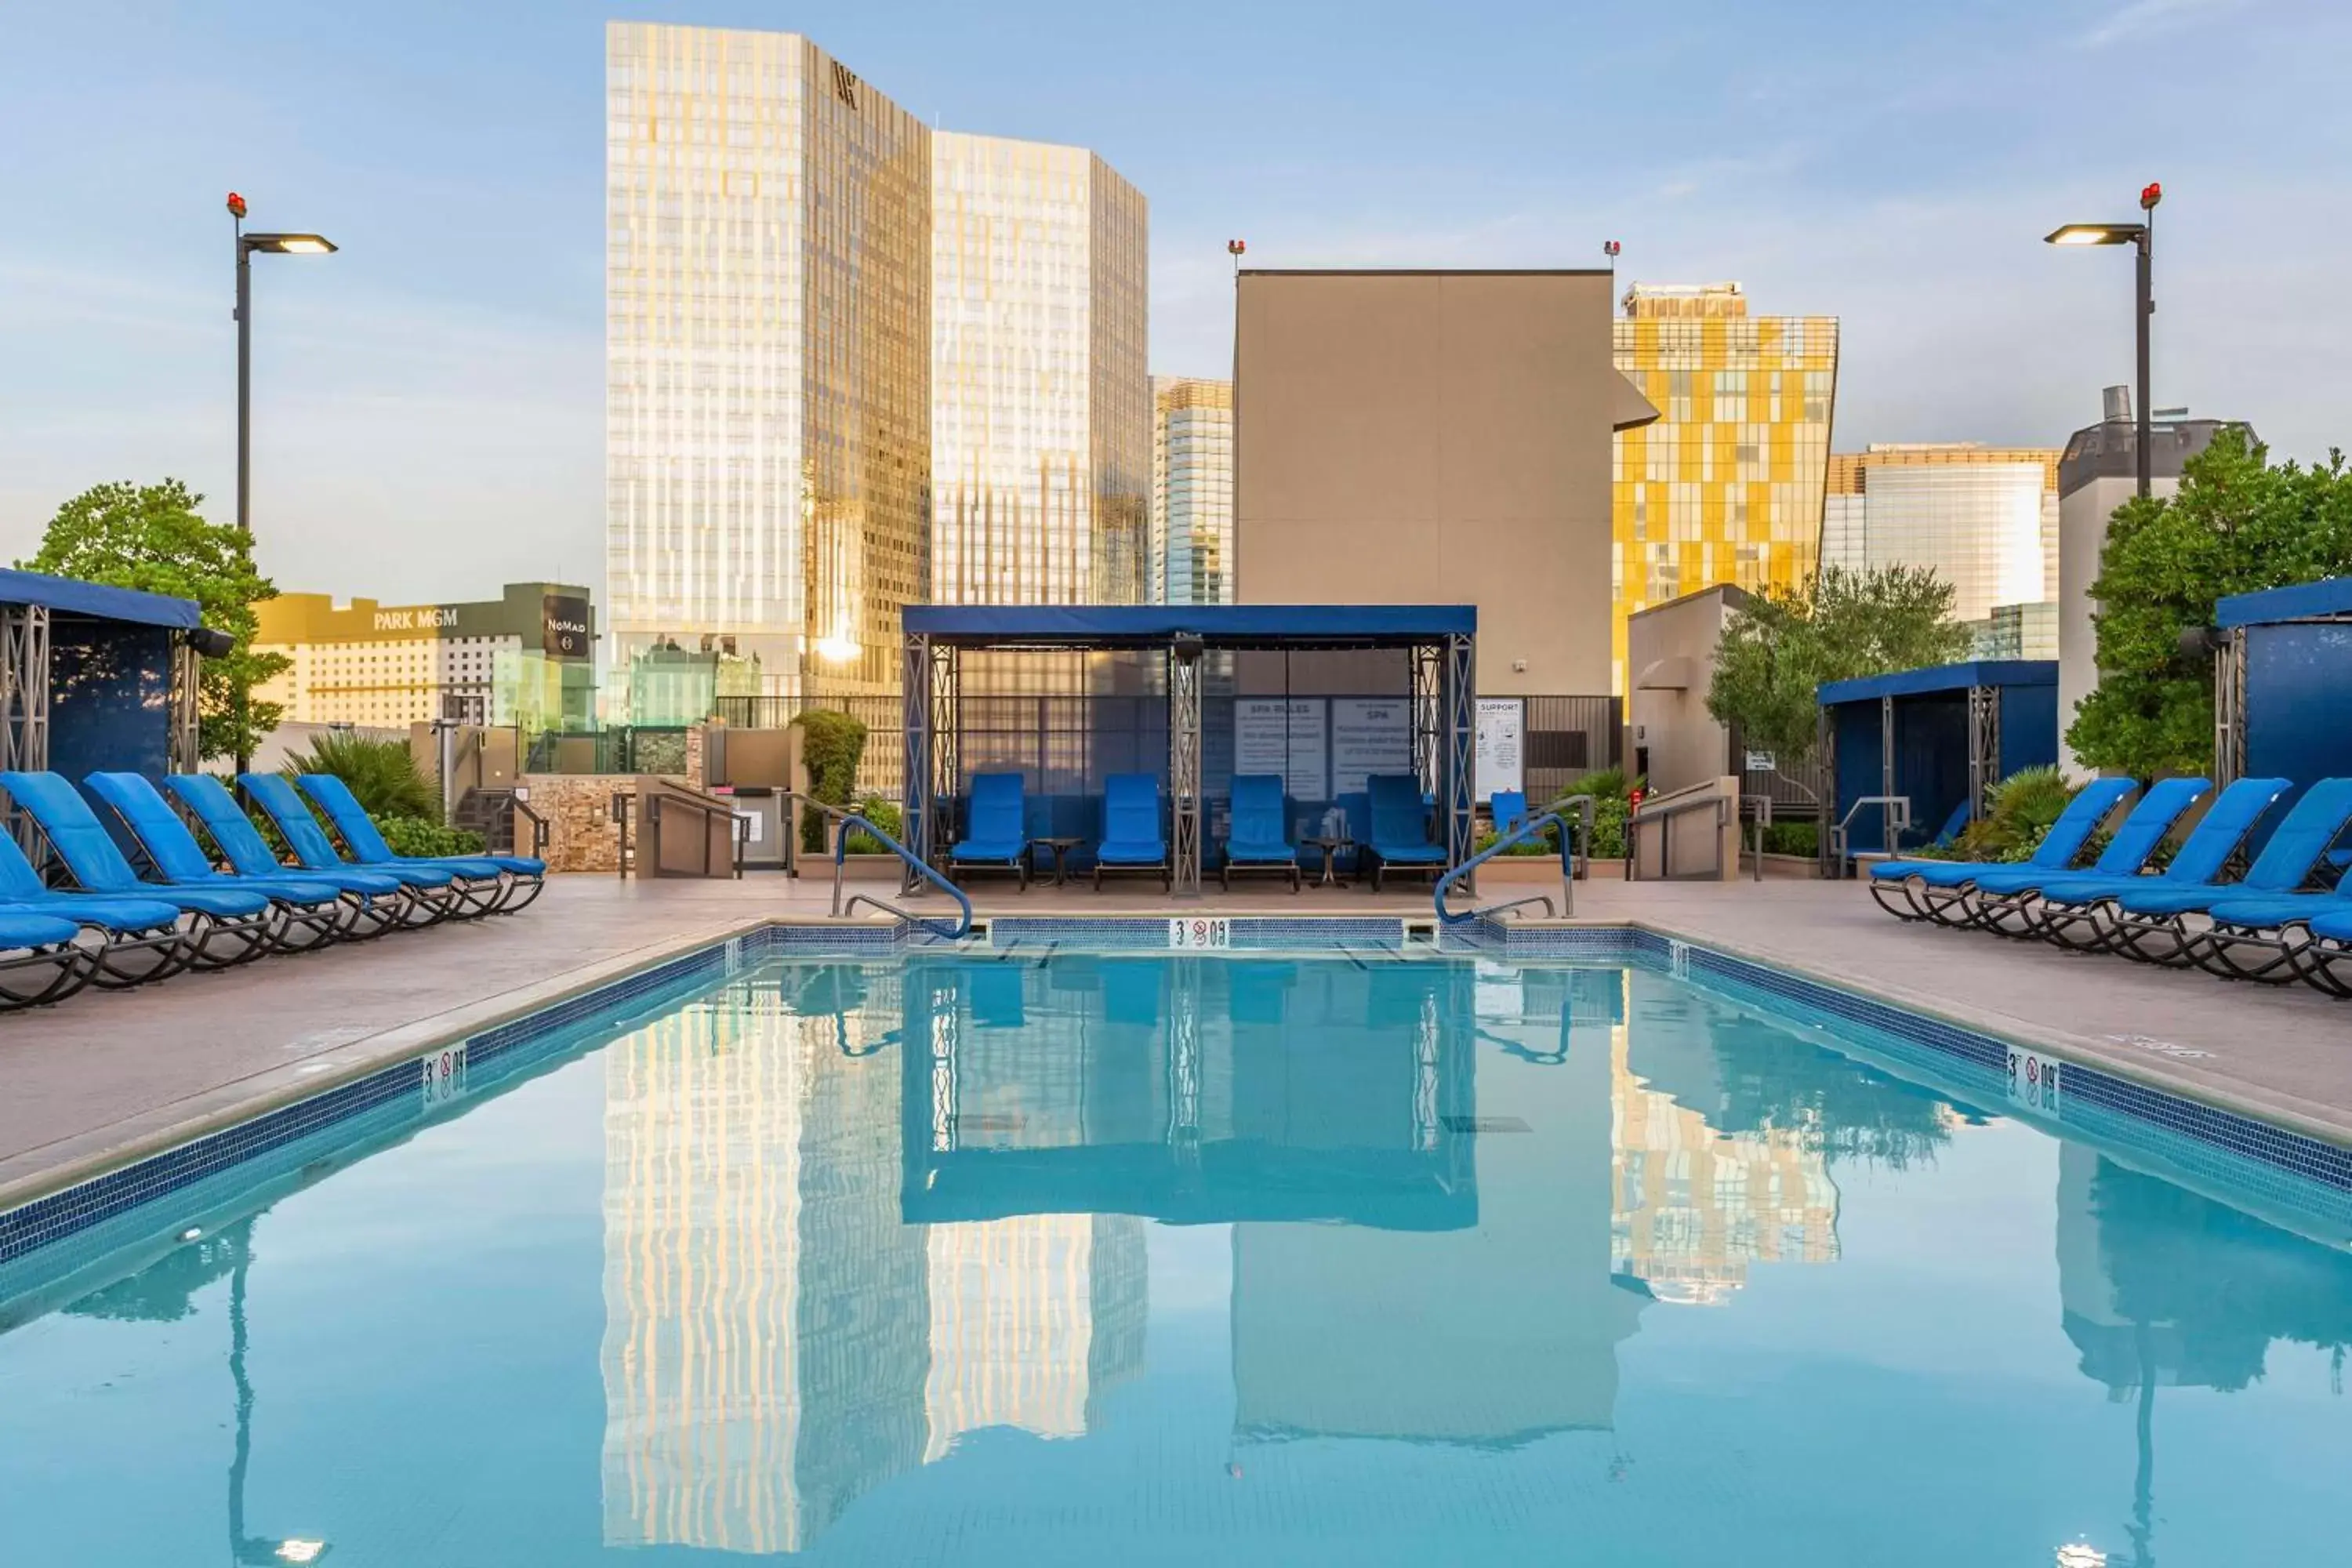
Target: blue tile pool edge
49 1219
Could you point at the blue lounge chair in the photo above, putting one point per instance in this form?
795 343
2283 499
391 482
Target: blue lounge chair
433 889
1954 826
2069 911
2002 901
42 947
412 897
995 827
1509 807
131 941
2151 923
177 860
2327 942
1255 840
1400 828
487 884
1131 838
234 925
1932 889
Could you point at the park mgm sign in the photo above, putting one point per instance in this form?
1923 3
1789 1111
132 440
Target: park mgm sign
370 663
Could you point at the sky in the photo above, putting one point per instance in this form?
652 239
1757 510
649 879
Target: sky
428 402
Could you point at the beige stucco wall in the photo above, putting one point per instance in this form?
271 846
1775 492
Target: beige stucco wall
1428 437
1676 640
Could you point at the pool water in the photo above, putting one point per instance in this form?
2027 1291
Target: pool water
1163 1259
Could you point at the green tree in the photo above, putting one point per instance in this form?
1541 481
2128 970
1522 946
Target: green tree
831 745
152 537
2237 525
1776 651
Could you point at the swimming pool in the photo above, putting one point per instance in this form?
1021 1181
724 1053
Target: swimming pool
1048 1256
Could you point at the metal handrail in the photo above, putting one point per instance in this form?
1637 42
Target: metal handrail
674 796
1665 809
1761 809
961 927
538 825
1575 849
1899 823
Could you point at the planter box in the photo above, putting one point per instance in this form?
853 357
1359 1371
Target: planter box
1544 868
856 867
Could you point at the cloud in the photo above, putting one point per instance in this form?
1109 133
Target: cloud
2142 18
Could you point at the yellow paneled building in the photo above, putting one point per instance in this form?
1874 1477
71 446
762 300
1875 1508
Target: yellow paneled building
1726 485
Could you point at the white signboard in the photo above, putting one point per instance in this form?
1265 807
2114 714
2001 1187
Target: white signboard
2033 1081
1283 736
1369 735
1502 725
443 1075
1200 933
1762 763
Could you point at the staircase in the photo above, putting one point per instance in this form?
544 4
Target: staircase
493 814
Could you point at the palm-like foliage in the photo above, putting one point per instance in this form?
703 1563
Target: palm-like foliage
381 773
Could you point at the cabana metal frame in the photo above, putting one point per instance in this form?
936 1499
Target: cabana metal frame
1441 640
2297 675
32 606
2011 705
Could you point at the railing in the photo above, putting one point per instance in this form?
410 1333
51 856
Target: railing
1664 811
622 802
1575 847
522 808
954 931
1760 808
711 813
1897 815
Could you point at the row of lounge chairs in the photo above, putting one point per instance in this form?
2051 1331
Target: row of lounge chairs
115 926
2288 917
996 834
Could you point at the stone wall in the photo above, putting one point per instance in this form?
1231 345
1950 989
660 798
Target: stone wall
581 833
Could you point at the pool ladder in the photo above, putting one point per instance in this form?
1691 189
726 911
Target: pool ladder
845 820
1576 846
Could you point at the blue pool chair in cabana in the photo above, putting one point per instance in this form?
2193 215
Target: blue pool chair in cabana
1954 826
1131 836
172 853
432 889
1940 889
229 924
2153 924
2070 909
391 900
1256 839
2002 901
995 827
490 884
1399 837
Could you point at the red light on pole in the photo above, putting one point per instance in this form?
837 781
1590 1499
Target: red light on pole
2149 196
235 207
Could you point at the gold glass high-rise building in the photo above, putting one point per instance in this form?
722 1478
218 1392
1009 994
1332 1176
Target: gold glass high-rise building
1040 428
1726 485
1191 491
768 275
1984 519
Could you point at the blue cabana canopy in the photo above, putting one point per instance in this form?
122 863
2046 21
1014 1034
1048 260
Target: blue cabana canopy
95 678
1217 626
2280 682
64 596
1425 656
1939 738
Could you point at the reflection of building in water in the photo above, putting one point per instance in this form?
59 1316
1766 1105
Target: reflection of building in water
1182 1090
1032 1320
765 1322
1496 1332
777 1342
1694 1207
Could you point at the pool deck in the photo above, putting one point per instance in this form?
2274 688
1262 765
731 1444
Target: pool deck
108 1077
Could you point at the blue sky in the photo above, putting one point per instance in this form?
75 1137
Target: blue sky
428 402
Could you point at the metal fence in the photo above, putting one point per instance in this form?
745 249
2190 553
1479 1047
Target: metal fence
624 748
1569 736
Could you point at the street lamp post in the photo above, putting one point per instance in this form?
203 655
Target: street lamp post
2140 234
246 243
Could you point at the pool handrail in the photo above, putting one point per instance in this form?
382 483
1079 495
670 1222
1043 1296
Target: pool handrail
960 927
1575 850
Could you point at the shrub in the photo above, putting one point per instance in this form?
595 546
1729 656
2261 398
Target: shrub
420 836
1803 837
383 773
831 745
2023 808
882 813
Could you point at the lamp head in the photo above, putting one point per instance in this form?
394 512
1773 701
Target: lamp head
290 244
2095 233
